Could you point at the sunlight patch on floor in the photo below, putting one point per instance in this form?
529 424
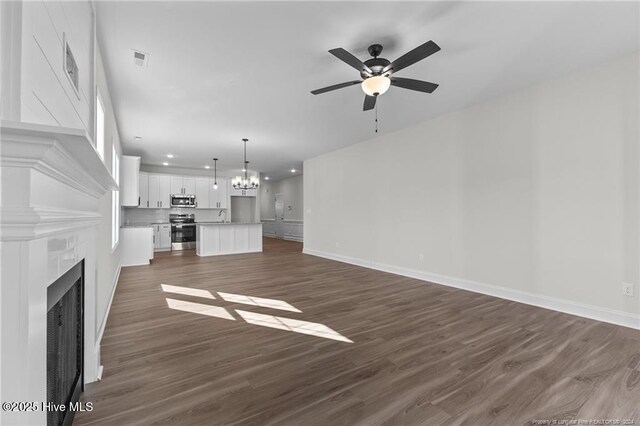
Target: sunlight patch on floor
187 291
258 301
297 326
199 308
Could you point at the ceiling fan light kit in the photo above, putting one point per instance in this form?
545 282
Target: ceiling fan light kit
376 85
378 73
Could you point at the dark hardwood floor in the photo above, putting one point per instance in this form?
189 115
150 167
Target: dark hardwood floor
421 354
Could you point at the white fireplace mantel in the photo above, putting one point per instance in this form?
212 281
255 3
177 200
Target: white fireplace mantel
51 182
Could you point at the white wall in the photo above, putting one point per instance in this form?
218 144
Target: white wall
243 210
47 95
35 89
292 192
535 194
109 265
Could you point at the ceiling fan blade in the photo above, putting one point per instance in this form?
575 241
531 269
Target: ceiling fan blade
335 87
369 102
413 56
348 58
411 84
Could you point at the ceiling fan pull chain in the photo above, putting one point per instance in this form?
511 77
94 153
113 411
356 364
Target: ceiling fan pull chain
376 117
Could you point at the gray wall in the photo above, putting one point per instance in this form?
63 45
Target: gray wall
536 193
292 192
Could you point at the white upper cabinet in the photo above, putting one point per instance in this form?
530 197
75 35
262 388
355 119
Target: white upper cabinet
202 193
183 185
243 192
155 191
159 194
163 194
189 185
129 185
143 186
219 196
176 185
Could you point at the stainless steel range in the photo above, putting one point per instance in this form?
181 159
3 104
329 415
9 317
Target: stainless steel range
183 231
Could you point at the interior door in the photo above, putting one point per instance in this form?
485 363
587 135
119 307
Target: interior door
279 216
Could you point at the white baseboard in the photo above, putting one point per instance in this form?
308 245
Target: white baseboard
293 238
106 314
100 370
624 319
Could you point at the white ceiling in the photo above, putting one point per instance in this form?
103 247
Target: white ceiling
221 71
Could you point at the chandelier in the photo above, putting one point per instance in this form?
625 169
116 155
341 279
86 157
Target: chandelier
245 182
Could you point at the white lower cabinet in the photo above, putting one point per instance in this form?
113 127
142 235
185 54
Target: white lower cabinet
136 245
228 238
162 237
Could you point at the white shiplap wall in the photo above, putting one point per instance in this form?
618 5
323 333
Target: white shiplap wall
47 95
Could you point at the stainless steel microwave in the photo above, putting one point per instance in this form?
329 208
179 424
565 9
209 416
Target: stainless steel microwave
182 200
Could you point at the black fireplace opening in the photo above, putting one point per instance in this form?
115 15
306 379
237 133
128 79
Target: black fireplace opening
65 344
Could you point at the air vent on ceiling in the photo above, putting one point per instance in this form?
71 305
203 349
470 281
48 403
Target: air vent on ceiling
140 58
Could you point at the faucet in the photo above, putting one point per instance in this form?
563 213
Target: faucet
225 215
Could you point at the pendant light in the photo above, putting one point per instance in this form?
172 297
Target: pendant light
215 173
246 182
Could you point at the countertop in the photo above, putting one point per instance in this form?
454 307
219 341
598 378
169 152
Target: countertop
228 223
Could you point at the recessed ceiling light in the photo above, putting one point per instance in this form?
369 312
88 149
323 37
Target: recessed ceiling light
293 170
266 178
137 138
165 164
169 155
207 167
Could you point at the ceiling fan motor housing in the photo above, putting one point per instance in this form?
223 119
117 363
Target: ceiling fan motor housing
376 65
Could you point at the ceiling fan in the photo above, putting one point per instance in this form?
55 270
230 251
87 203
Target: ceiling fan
378 73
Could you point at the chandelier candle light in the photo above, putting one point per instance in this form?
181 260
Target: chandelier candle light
245 182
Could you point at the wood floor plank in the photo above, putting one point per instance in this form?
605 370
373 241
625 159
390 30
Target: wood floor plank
420 353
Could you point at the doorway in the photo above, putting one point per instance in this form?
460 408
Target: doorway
279 209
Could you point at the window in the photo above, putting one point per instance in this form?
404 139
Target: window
115 198
100 126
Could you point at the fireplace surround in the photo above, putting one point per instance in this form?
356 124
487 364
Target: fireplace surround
52 180
65 344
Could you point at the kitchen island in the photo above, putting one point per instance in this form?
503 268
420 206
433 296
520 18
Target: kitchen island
218 238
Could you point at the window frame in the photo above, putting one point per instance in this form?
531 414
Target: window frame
101 125
115 198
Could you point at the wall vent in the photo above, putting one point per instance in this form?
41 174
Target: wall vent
141 59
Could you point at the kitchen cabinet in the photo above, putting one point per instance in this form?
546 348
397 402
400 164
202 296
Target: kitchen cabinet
159 192
243 192
208 197
182 185
143 190
162 236
129 185
202 193
136 245
215 239
218 198
189 185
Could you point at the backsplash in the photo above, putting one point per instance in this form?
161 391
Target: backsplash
134 216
